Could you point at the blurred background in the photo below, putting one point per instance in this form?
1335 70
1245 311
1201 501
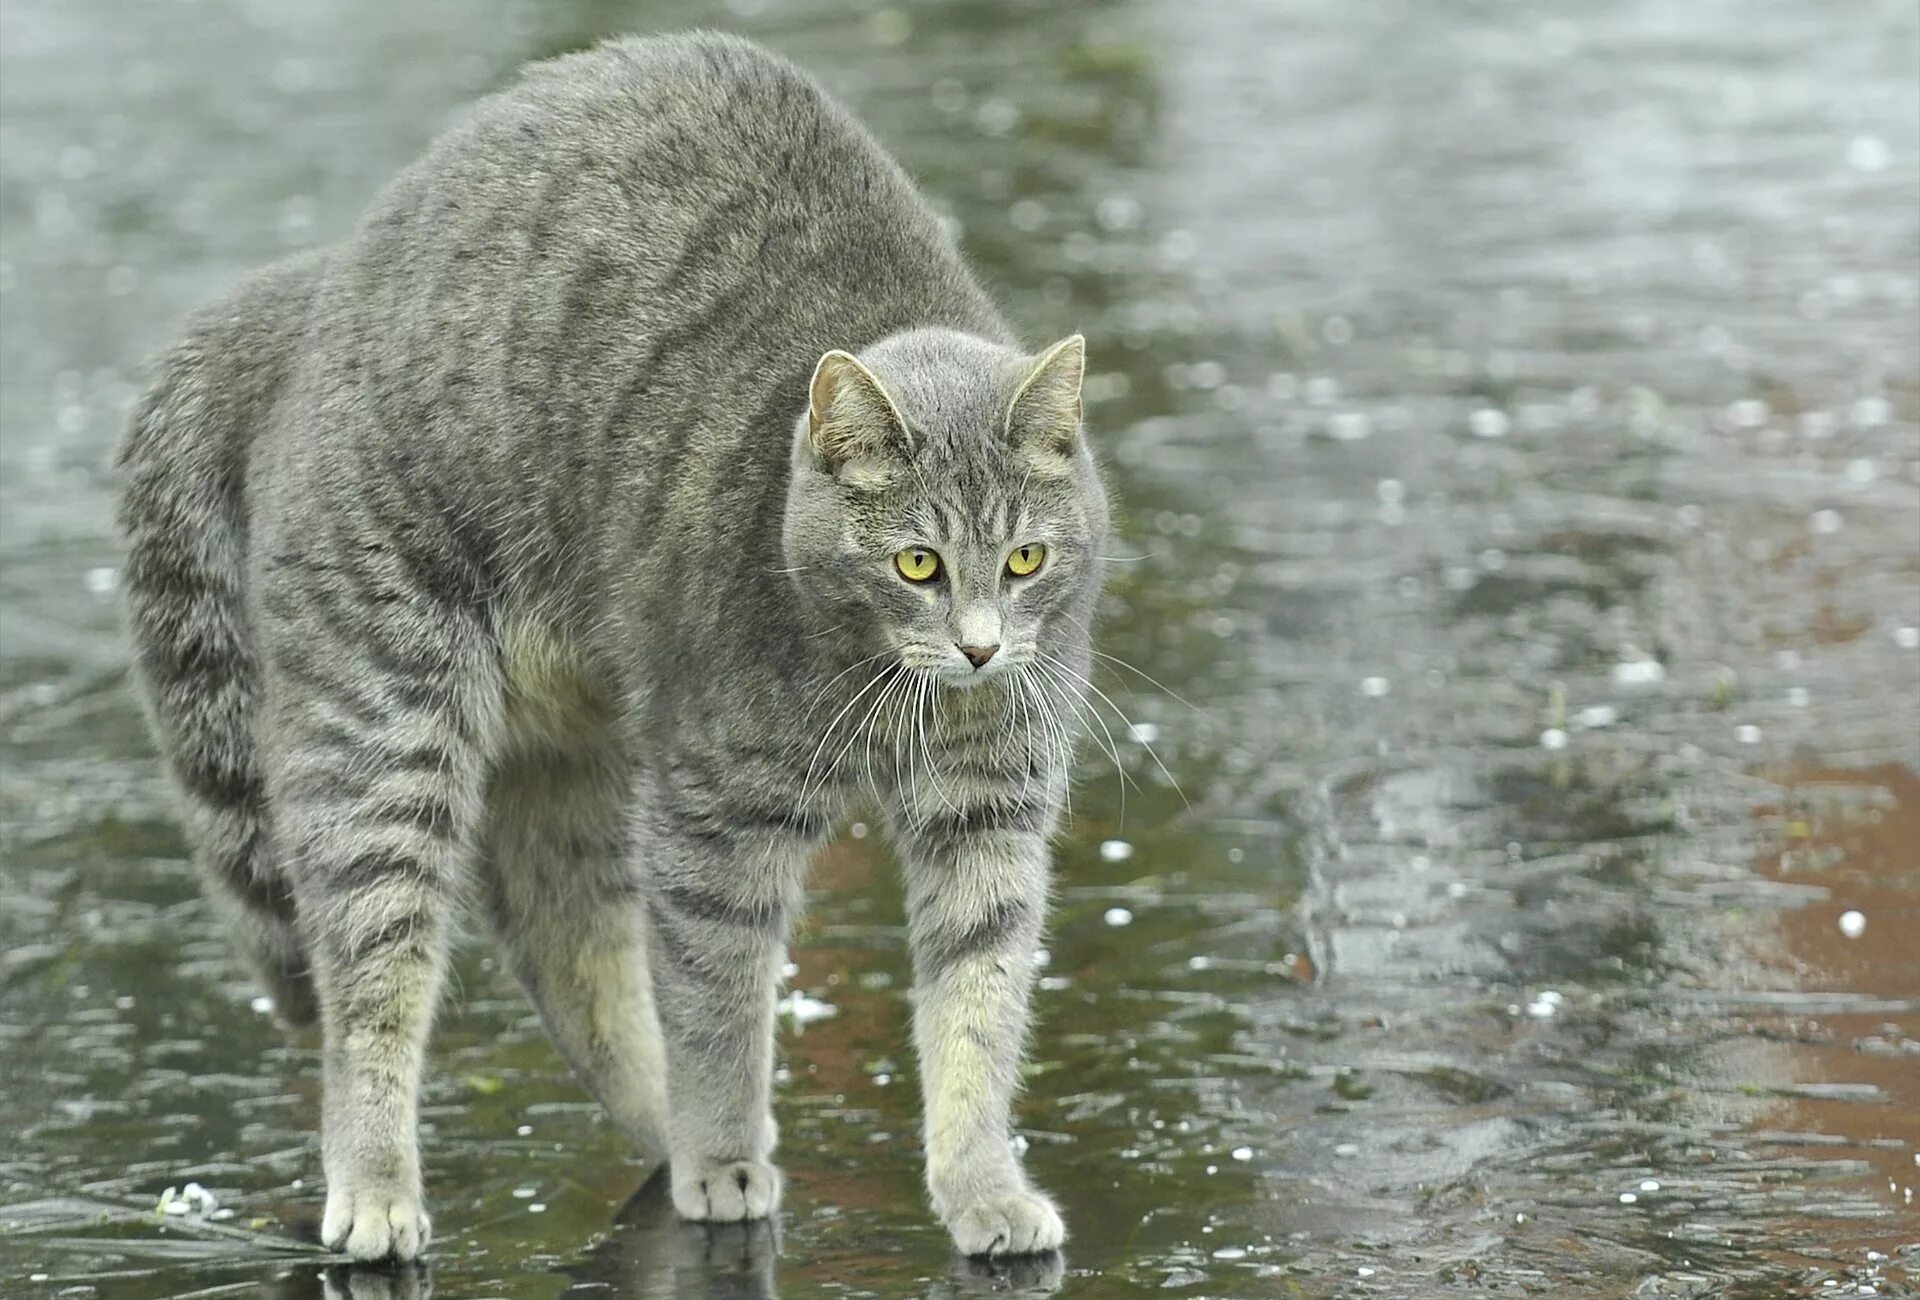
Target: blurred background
1515 412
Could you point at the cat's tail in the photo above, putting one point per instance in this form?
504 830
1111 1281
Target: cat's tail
183 513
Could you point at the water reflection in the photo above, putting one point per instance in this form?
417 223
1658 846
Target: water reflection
1514 413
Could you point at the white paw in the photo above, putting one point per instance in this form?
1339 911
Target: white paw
726 1191
375 1222
1014 1223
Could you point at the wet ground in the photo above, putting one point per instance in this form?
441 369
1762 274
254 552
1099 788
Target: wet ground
1517 411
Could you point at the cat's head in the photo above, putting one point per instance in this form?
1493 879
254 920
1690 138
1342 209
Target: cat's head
943 503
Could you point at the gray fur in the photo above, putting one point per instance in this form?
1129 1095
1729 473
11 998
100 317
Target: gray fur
506 554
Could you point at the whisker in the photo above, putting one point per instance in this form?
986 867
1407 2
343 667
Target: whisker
1122 715
807 787
933 770
1112 749
1155 682
1058 742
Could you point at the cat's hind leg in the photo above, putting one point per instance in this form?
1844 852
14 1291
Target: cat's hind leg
559 891
378 720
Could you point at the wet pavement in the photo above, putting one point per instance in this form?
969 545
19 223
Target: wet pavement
1517 414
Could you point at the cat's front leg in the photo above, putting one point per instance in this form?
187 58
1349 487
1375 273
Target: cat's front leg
722 890
976 896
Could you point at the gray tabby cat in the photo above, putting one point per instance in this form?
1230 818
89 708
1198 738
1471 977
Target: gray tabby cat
643 484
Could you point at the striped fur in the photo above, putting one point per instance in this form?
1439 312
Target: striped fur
504 557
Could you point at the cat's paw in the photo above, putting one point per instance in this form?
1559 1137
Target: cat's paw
376 1221
1012 1223
726 1191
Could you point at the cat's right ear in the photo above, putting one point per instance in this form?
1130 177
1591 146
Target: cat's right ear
853 425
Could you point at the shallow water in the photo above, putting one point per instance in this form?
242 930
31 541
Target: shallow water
1517 412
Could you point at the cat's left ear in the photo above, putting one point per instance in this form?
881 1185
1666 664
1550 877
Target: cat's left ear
1045 412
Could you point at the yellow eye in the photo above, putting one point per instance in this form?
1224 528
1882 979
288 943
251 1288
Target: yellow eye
1026 559
917 564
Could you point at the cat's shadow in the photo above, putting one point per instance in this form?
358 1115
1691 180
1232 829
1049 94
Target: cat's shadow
652 1254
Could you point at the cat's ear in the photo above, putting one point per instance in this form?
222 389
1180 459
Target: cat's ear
850 417
1044 415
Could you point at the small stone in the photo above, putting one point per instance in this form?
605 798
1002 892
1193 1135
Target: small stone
1118 916
1639 672
1488 423
1115 850
1853 924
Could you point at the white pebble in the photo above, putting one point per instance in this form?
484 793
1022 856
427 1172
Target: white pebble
1242 1153
1853 924
1868 153
1907 638
1349 426
1637 672
525 1193
1597 715
1375 687
1230 1252
538 1207
805 1010
1364 1271
1488 423
1628 1198
1118 916
1825 522
525 1131
1553 738
1115 850
1650 1185
1747 734
1347 1149
101 581
262 1004
1144 733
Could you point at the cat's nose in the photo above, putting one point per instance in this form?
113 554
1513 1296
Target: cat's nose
978 654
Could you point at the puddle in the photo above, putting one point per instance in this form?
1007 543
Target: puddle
1515 416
